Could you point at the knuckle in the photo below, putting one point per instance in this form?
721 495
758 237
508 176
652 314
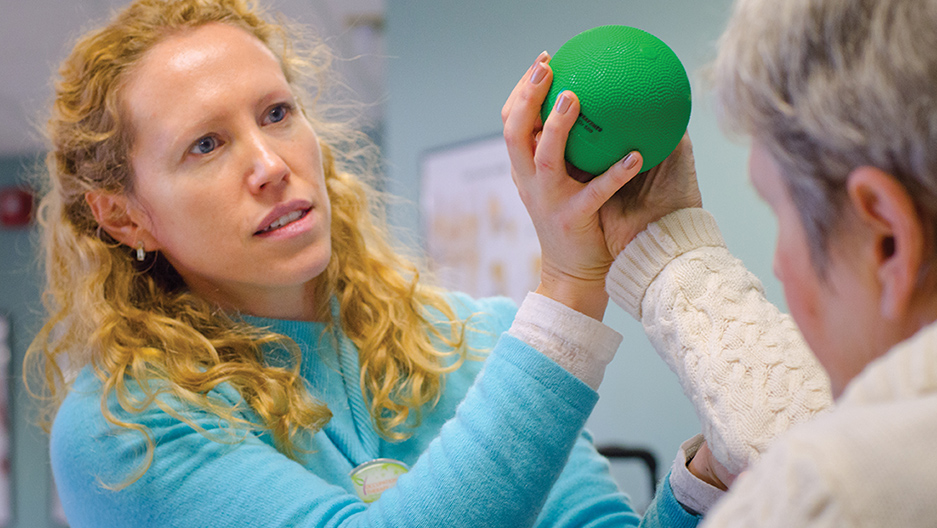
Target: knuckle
594 194
512 137
546 165
524 194
528 95
556 125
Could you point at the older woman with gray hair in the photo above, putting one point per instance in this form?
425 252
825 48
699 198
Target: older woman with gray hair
838 98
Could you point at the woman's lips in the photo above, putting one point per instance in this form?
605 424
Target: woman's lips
284 220
282 215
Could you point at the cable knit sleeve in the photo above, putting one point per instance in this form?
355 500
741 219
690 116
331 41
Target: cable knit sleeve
741 362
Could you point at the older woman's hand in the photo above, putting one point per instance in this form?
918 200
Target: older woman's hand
565 211
705 467
650 196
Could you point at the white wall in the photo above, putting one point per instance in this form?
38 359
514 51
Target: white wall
451 66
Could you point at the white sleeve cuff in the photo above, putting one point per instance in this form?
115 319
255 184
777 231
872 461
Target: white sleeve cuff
644 257
575 341
690 491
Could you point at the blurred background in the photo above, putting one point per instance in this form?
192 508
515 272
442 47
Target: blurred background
433 74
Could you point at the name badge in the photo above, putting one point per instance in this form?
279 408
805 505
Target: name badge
372 478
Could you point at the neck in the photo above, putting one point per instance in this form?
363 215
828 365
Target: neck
890 334
294 303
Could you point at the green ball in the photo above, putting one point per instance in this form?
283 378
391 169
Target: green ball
633 91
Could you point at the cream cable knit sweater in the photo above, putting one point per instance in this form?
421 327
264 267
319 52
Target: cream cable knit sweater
869 462
741 362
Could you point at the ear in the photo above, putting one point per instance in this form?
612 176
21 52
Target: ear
125 222
884 206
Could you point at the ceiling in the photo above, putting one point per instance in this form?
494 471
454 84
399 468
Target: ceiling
35 36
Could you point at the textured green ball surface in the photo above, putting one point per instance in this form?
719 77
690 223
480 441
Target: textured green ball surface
633 91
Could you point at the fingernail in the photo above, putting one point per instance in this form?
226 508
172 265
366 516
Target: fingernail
630 161
543 57
540 71
563 102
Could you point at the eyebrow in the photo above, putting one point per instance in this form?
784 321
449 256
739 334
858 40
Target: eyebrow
182 137
189 132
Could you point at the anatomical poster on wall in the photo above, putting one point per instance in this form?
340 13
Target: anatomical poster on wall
479 237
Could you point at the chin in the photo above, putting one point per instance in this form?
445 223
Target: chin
312 266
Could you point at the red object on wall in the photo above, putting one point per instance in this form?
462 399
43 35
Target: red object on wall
16 207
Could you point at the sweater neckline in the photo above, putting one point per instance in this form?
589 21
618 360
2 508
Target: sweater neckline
364 444
908 370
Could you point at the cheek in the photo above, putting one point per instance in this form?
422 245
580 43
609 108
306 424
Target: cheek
785 256
793 269
802 305
181 222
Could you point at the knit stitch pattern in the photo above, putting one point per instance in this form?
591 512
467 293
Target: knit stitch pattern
741 362
868 463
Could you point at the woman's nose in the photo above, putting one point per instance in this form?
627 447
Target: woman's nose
266 167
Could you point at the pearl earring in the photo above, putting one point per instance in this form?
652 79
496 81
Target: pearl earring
141 254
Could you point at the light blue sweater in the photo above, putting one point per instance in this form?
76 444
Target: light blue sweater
507 449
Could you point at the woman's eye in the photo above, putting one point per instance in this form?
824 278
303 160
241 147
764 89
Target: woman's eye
278 113
204 145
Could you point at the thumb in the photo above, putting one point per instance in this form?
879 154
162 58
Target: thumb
604 186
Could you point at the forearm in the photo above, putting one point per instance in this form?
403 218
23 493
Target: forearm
741 362
496 461
586 495
682 500
665 511
493 463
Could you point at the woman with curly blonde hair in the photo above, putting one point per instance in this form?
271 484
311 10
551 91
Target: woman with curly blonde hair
230 334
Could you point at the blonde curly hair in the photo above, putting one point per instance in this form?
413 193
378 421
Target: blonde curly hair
138 321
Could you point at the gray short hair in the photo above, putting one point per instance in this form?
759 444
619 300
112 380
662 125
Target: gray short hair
831 85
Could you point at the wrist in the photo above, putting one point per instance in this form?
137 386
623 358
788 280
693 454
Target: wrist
653 249
694 494
581 345
700 466
585 296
